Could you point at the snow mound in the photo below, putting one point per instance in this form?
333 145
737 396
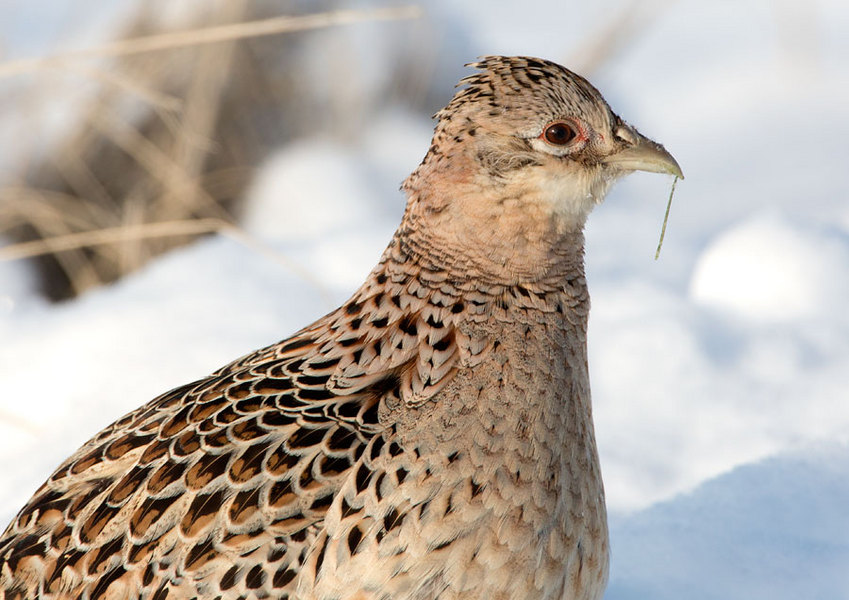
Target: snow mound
774 530
770 269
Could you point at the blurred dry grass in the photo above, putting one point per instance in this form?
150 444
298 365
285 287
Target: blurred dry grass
165 144
177 113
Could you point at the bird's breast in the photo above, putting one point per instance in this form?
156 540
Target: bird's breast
499 493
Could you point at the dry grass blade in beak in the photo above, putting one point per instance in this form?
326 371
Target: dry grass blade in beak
665 218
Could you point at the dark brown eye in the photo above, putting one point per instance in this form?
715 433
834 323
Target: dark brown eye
560 133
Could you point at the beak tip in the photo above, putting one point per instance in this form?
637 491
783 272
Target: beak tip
658 158
675 169
646 155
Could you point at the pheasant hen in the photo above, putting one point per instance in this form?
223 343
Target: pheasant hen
432 438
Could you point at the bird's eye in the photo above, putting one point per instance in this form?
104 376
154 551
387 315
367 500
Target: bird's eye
559 133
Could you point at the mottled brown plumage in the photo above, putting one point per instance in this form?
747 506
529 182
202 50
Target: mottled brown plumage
432 438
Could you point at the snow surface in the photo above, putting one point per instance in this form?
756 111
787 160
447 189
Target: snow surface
720 372
778 529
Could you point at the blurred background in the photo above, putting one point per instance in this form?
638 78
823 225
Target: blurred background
182 182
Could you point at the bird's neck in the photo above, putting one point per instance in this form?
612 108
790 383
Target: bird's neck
497 240
501 317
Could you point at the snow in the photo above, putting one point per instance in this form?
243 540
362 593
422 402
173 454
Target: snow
720 372
778 271
778 529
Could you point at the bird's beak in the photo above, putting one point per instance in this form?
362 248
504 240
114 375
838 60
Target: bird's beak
644 155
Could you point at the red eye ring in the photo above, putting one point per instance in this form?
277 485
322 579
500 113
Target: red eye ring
560 133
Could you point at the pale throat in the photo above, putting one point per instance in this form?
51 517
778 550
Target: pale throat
569 195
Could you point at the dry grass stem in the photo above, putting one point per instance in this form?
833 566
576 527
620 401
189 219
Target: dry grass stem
665 219
210 35
110 235
165 104
159 165
146 231
196 128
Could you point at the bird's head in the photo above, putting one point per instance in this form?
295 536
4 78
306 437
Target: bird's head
521 155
